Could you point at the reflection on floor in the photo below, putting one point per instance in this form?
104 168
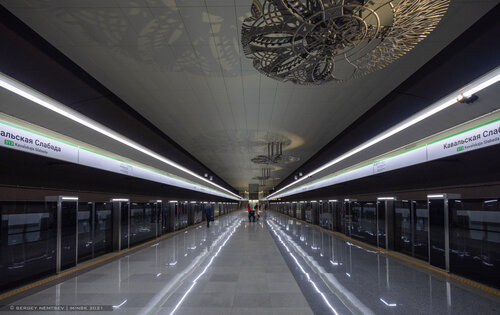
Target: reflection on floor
235 267
364 281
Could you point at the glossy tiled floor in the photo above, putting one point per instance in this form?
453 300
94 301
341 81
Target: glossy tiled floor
233 267
278 266
363 281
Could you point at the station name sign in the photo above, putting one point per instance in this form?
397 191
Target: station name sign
21 139
475 138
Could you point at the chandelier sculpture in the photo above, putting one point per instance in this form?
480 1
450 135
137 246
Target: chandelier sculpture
316 41
265 176
274 155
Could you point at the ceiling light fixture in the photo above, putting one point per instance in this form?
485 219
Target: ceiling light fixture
69 198
31 94
461 98
435 196
316 41
475 86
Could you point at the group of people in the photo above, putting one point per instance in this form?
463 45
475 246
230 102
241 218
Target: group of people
254 213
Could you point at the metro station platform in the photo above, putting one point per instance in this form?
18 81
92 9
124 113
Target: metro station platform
276 265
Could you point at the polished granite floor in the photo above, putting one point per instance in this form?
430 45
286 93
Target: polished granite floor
233 267
364 281
273 266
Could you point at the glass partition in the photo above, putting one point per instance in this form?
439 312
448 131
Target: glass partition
103 228
475 239
364 221
68 233
124 208
184 215
28 238
315 213
157 215
403 227
308 212
216 209
177 215
336 215
181 219
166 218
198 213
85 230
326 217
421 229
437 255
381 234
299 210
142 225
346 218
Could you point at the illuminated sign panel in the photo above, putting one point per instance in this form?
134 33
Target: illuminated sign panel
26 141
22 139
478 137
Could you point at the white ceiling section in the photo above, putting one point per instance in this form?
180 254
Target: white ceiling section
180 64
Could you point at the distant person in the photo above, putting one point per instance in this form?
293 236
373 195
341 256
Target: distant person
251 214
256 208
208 214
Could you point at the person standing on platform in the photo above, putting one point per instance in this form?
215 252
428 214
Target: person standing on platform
251 214
208 214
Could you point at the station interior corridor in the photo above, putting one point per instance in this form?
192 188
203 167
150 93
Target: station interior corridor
366 134
276 265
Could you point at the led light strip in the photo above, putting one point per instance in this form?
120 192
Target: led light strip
31 94
475 86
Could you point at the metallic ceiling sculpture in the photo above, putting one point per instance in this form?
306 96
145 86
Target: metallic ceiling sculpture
316 41
274 155
265 176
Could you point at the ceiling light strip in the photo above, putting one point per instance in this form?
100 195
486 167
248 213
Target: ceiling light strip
421 157
31 94
80 155
475 86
